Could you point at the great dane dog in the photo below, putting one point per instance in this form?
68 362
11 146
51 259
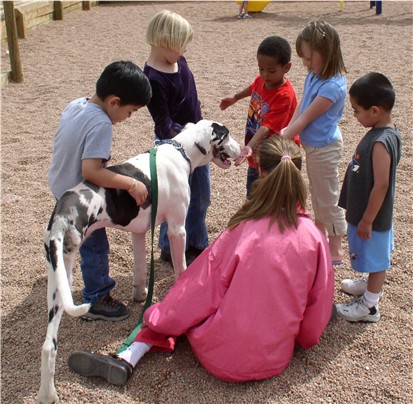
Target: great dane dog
87 207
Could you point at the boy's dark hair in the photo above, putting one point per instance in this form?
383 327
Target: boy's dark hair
277 48
373 89
126 81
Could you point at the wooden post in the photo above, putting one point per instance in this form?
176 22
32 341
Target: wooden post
58 10
14 52
20 23
86 5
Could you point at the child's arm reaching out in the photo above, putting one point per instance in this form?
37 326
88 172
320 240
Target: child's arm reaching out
251 148
299 122
228 101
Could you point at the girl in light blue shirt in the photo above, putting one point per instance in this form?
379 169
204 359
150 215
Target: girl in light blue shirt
316 121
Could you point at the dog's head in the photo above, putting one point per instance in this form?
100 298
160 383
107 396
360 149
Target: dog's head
215 141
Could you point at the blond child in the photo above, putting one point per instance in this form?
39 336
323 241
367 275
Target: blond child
174 103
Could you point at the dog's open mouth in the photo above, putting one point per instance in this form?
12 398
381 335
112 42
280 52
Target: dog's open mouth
224 157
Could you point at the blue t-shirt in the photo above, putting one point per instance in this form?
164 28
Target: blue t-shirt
324 129
84 132
174 100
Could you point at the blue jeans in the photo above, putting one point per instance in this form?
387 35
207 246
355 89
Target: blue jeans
94 263
196 229
252 175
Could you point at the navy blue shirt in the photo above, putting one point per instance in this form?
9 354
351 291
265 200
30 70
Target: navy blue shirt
174 100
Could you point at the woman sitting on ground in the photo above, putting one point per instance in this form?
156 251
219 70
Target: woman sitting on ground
265 284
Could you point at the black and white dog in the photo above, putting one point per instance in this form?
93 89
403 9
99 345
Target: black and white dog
87 207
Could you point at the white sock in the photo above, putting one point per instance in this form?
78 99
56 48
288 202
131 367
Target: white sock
135 352
371 299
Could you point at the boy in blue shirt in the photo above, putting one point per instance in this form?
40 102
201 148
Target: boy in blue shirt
81 150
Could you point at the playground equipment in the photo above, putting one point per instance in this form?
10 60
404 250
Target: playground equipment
373 4
376 4
256 6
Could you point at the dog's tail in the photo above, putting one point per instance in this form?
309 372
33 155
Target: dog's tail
60 276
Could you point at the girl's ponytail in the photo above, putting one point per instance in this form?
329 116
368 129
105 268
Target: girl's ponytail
280 192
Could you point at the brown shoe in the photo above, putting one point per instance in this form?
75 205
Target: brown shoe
112 368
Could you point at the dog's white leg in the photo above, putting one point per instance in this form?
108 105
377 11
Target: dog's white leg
177 241
47 392
139 291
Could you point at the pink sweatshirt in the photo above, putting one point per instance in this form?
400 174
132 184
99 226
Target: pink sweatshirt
247 299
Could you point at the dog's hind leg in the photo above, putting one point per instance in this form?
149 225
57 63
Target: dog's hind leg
47 392
139 291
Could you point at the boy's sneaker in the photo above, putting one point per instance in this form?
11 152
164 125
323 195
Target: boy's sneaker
246 16
355 287
240 16
108 309
357 311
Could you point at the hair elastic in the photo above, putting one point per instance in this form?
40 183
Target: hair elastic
285 157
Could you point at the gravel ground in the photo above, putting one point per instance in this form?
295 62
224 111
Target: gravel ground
62 60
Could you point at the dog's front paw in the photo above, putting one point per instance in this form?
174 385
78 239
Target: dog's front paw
138 294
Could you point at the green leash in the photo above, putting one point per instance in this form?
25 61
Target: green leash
148 302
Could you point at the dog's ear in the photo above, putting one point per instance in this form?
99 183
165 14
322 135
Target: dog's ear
220 132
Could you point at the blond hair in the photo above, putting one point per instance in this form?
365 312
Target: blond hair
323 38
282 191
169 30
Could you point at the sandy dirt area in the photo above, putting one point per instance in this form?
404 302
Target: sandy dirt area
61 62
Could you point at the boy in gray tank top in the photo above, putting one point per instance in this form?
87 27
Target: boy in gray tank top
367 196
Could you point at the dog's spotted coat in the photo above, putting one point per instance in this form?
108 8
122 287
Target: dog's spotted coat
87 207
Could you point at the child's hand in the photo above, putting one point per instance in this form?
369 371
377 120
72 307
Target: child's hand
227 102
246 152
139 193
364 230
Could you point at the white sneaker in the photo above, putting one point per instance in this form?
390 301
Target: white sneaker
357 311
355 287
